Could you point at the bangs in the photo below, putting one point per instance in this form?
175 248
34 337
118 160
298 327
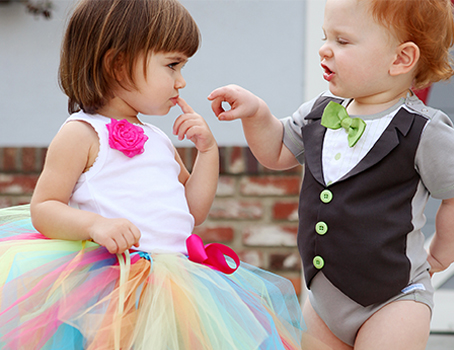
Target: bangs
177 31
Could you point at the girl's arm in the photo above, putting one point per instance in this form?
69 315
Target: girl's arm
72 152
201 184
263 131
441 252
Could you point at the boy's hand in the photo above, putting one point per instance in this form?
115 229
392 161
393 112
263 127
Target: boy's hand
192 126
435 265
243 103
117 235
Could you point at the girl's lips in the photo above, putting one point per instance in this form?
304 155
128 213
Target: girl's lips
174 100
327 74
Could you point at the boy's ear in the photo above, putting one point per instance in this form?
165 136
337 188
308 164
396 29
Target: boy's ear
407 56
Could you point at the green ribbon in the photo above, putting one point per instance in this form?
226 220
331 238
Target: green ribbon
335 117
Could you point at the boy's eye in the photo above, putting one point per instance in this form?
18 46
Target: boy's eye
342 41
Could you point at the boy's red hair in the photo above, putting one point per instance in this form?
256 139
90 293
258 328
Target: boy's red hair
427 23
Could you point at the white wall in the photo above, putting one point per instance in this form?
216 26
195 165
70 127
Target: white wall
259 44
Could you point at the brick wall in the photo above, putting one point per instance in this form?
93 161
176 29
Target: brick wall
254 212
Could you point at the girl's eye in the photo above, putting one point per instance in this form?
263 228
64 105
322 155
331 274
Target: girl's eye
342 41
175 65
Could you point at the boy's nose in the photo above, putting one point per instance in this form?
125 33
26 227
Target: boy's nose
325 51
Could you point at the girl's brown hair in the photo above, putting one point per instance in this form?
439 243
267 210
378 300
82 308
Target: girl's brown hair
123 29
427 23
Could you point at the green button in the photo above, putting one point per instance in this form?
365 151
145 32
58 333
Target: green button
318 262
321 228
326 196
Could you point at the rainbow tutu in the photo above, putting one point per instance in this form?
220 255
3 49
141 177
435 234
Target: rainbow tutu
57 294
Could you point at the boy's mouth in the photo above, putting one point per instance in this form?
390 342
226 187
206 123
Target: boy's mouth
328 73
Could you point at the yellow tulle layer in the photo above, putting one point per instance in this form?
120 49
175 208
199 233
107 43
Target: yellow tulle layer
58 294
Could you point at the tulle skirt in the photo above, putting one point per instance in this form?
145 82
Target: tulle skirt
57 294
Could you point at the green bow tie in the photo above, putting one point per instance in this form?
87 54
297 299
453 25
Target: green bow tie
335 117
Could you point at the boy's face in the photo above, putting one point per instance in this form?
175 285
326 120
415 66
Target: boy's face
357 52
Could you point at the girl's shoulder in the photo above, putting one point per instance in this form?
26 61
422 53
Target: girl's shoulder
95 120
81 133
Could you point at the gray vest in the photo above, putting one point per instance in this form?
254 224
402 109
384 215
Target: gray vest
355 229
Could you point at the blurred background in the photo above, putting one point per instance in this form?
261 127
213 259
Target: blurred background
267 46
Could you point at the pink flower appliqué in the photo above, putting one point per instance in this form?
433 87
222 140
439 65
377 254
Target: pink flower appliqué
126 137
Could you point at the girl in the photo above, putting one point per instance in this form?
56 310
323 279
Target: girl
114 209
367 180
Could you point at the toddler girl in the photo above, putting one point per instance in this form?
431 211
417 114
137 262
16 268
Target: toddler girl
112 263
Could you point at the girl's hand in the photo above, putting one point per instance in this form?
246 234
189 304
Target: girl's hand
192 126
117 235
243 103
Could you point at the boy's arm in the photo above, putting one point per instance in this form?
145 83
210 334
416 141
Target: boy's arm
441 251
201 184
263 131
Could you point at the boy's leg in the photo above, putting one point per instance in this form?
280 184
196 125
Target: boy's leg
400 325
319 330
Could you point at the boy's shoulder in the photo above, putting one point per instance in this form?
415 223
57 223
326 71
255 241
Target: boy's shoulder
414 104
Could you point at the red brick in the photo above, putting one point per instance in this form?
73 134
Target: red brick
252 165
5 201
192 157
17 184
289 262
29 159
270 185
285 211
235 209
237 164
226 186
252 257
270 235
21 200
296 281
210 233
42 152
223 160
10 159
182 153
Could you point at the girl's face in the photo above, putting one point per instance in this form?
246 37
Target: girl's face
357 53
157 91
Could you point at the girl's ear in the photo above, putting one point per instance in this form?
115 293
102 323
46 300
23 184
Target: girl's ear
114 64
407 56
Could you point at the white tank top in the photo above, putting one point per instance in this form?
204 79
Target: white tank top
143 189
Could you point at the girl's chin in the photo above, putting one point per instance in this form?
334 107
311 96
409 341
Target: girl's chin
161 112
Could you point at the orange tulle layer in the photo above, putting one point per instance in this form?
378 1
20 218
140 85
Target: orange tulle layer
57 294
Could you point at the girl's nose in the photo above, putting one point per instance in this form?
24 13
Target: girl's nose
180 83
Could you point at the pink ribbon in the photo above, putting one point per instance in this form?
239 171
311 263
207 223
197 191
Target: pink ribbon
211 255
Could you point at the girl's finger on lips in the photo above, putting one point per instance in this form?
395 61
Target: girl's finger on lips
184 106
